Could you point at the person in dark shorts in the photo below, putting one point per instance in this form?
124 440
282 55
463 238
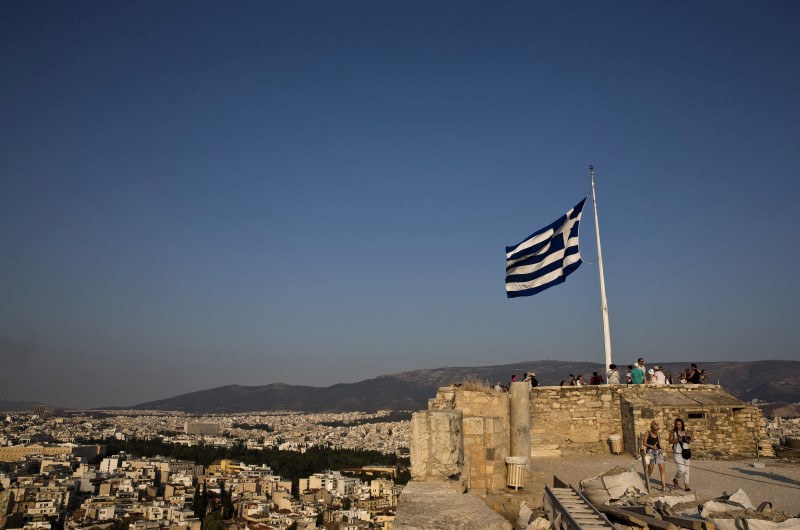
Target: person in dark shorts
652 446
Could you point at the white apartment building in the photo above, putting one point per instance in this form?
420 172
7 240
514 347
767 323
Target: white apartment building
332 481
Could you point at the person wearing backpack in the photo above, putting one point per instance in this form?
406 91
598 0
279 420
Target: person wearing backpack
680 438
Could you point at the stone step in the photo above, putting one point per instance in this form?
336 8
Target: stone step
544 446
545 454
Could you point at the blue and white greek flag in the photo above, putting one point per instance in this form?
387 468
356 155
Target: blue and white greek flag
545 258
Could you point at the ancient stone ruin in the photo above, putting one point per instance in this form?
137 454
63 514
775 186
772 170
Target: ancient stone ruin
486 443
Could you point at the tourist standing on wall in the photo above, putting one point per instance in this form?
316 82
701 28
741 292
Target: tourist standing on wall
613 375
637 375
652 446
680 438
530 378
694 375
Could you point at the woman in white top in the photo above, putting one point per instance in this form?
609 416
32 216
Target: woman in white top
679 438
613 375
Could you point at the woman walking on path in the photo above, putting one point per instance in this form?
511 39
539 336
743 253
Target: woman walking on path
652 445
680 438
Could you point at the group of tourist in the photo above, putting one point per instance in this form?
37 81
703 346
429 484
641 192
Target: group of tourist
528 377
596 379
679 439
693 376
638 374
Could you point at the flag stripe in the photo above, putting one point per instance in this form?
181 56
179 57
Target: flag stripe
546 257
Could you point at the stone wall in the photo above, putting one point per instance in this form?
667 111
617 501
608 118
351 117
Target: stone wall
721 425
574 420
580 420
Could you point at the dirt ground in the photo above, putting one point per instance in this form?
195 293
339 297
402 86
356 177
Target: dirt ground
778 482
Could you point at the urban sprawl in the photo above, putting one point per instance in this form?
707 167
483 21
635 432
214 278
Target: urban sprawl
152 470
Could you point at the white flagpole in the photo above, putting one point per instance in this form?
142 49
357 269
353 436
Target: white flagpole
603 301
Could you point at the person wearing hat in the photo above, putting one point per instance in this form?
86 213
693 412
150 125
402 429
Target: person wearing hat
534 382
658 377
650 374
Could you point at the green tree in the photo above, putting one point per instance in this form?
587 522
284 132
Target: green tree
213 522
202 505
227 503
346 503
196 500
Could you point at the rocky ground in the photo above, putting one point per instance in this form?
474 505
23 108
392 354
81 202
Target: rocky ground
778 482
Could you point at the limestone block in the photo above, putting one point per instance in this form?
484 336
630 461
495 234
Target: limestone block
473 426
436 444
436 506
419 444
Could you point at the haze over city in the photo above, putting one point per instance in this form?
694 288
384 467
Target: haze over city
195 194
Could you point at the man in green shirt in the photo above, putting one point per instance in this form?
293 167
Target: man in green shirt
637 374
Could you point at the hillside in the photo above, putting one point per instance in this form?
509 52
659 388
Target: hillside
772 381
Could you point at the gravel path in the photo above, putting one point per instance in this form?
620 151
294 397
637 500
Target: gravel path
778 482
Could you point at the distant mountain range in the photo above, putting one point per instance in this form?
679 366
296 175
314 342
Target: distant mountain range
6 404
772 381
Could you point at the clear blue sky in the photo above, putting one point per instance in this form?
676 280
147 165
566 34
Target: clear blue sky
200 193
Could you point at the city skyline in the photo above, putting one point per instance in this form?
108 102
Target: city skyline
197 194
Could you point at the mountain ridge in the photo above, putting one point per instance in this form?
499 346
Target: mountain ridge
411 390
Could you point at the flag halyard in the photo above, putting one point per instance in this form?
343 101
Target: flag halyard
546 257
